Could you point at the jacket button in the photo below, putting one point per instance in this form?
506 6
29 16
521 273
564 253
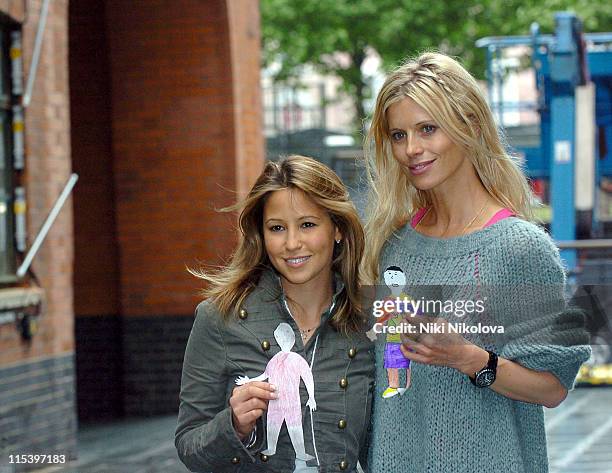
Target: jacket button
352 352
343 383
264 458
243 314
265 345
235 460
343 465
341 424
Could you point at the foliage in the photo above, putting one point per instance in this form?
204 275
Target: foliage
335 35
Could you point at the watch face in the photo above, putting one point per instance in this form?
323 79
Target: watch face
485 378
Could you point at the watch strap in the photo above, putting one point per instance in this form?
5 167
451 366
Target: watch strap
491 365
493 359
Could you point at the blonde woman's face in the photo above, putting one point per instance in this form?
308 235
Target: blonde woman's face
425 152
299 238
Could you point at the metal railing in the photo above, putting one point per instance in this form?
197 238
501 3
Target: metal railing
584 244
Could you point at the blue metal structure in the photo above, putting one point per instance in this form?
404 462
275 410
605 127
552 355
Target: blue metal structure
561 62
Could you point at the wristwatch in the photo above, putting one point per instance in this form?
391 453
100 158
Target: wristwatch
486 376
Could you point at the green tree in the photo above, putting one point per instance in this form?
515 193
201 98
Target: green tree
335 36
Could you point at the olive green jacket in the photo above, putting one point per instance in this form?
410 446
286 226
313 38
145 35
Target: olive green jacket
218 352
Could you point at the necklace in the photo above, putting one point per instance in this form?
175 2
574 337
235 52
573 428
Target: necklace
305 333
464 228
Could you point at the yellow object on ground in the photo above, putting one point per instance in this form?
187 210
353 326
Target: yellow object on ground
595 374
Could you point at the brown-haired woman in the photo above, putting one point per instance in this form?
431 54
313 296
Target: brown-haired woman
296 263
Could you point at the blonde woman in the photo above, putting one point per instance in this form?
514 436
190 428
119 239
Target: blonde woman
452 209
292 285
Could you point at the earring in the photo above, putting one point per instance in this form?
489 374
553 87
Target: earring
337 242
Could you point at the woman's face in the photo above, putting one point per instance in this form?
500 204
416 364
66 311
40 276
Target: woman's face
299 237
426 153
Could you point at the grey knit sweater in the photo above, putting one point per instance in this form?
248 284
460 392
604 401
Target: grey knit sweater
443 423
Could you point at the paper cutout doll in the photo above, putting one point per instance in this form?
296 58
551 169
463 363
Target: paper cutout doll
394 359
285 370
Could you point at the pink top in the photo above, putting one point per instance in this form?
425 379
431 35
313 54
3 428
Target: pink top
500 215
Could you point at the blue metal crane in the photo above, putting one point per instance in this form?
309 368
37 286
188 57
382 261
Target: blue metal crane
562 63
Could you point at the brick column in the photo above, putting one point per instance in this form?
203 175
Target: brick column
186 140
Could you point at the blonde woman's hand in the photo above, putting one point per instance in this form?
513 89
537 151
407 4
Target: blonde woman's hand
440 348
248 403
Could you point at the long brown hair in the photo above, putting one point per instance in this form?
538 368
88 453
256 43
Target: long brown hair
229 286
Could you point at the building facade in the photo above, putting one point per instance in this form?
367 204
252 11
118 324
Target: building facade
157 108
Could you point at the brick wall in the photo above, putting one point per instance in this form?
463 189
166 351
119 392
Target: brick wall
99 367
166 129
152 361
48 167
96 269
243 18
15 10
178 136
37 377
37 405
173 147
167 117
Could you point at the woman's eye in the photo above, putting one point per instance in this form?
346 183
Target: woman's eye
308 224
428 129
397 135
276 228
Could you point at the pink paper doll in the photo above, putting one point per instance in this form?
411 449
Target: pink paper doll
285 370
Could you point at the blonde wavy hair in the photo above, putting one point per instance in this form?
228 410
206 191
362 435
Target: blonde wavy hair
229 286
454 100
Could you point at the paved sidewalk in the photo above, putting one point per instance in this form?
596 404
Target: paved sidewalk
580 432
579 440
130 446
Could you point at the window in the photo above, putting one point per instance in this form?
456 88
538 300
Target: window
10 97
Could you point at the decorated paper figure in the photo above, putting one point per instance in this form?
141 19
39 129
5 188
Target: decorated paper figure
285 370
394 359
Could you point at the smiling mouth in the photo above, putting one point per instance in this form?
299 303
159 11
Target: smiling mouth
420 166
297 261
